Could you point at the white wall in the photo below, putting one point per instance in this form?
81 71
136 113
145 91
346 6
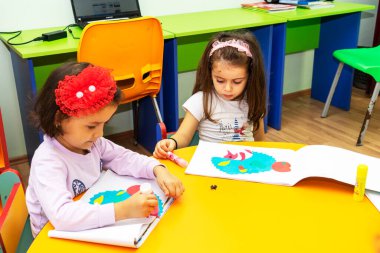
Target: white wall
26 14
367 22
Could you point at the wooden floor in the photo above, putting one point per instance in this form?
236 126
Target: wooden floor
301 123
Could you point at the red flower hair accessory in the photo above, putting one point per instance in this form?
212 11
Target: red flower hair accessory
85 93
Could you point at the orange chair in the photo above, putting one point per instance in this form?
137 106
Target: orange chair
133 50
4 160
15 231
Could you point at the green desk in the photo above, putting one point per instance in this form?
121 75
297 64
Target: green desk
193 31
326 30
33 62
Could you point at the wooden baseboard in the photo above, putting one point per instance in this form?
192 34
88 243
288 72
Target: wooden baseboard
296 94
120 136
19 160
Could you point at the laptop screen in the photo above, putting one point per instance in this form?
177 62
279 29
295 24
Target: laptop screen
91 10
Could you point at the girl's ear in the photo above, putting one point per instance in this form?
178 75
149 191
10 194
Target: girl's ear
57 118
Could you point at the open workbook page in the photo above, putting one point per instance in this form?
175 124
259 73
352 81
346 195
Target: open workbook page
281 166
113 188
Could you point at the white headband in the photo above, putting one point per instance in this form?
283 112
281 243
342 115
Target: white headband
238 44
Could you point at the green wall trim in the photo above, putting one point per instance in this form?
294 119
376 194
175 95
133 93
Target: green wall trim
190 49
302 35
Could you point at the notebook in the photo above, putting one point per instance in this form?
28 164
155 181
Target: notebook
87 11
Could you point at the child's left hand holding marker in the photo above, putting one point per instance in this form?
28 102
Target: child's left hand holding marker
162 147
169 183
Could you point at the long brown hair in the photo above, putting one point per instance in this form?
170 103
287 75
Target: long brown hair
255 90
45 108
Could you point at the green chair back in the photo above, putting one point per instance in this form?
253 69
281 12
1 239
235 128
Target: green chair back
366 60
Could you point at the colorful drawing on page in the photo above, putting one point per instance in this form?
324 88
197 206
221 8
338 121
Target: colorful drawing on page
247 162
106 197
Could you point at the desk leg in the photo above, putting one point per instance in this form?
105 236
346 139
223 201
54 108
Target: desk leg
272 43
169 87
26 91
264 35
337 32
276 81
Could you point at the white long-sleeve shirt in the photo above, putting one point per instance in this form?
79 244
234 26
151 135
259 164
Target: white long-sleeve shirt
57 175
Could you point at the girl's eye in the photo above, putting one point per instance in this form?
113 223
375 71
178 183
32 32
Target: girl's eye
220 80
91 127
237 82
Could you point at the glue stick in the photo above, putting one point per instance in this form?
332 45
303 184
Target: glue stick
361 176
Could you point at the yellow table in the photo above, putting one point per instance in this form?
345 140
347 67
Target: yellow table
316 215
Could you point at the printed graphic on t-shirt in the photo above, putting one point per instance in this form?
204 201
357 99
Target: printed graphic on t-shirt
78 187
235 132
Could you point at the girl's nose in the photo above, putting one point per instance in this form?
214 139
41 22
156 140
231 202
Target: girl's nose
228 87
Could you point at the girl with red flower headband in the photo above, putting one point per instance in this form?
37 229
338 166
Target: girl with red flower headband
229 96
72 108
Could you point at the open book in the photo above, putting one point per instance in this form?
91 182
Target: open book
130 232
267 7
317 5
282 166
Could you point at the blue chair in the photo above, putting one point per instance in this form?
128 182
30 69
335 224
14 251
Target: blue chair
367 60
15 231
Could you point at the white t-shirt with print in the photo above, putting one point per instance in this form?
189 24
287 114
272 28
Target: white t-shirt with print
230 117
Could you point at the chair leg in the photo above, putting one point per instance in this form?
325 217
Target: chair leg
368 115
157 109
332 90
135 106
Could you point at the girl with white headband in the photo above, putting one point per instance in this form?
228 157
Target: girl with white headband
229 96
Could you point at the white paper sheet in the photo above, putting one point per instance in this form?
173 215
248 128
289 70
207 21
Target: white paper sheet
238 162
374 197
129 232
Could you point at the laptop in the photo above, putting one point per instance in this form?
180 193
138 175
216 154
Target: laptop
87 11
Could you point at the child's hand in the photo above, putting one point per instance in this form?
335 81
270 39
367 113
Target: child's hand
139 205
162 147
169 183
